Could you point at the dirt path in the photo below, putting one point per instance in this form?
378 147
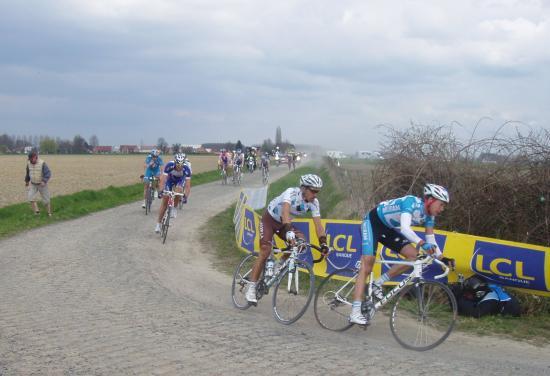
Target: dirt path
101 295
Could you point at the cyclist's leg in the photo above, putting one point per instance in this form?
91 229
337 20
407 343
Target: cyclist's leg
164 202
368 256
268 227
396 241
179 189
145 184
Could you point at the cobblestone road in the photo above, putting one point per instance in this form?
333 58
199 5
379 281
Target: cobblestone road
102 296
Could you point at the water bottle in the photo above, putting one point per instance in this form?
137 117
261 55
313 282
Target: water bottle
269 267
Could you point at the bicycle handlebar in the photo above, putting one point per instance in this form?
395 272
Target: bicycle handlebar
444 266
172 193
289 247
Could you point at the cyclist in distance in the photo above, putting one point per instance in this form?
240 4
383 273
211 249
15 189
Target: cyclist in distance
177 174
277 220
153 164
390 223
265 161
223 159
239 159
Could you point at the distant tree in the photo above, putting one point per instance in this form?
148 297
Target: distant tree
48 146
239 145
7 142
267 145
229 146
64 146
80 146
94 141
176 148
278 137
162 145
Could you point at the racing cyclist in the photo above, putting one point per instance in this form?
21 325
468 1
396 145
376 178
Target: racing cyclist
238 161
390 223
223 161
265 161
277 220
177 174
152 166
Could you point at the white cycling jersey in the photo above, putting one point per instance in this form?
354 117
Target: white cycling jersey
298 206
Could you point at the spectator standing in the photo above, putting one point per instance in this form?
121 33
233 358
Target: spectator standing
37 177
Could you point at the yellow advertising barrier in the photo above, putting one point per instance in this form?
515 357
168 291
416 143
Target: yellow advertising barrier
517 265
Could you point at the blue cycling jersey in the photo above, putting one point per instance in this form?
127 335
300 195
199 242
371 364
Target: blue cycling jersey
390 212
153 170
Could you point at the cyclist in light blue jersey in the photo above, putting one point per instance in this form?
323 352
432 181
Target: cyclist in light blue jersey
153 164
390 223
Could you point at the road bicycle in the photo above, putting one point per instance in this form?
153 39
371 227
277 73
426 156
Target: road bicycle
152 183
424 313
265 175
250 165
291 278
165 223
224 175
237 175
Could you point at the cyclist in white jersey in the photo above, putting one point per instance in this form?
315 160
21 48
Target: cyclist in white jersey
390 223
277 220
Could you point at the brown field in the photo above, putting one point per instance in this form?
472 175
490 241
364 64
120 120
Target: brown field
73 173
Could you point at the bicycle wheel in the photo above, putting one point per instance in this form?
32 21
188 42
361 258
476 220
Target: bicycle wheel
293 292
423 316
165 224
148 200
240 281
332 303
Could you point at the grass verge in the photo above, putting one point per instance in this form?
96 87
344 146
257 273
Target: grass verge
19 217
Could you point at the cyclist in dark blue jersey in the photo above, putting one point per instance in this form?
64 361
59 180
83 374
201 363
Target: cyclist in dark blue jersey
176 176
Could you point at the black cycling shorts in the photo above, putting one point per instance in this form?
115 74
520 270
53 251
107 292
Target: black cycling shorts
373 230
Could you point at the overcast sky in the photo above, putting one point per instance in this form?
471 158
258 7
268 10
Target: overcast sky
326 72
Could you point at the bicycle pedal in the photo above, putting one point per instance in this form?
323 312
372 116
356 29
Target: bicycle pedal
253 304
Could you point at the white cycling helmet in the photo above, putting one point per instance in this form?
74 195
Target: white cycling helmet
155 153
179 158
311 181
436 191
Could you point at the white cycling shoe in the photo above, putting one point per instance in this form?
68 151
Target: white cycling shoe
157 228
143 205
251 294
357 317
377 291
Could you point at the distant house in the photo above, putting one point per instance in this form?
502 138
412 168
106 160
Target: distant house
147 148
366 154
102 149
336 154
128 149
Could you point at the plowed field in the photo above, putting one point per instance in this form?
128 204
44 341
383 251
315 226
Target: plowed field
73 173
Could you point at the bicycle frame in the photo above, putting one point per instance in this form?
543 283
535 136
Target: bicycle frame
414 276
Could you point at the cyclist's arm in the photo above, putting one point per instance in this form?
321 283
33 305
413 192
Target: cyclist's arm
430 238
406 230
162 182
319 227
285 214
187 187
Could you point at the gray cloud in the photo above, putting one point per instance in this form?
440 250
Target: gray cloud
326 72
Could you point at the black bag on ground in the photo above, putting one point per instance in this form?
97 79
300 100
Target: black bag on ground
476 297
